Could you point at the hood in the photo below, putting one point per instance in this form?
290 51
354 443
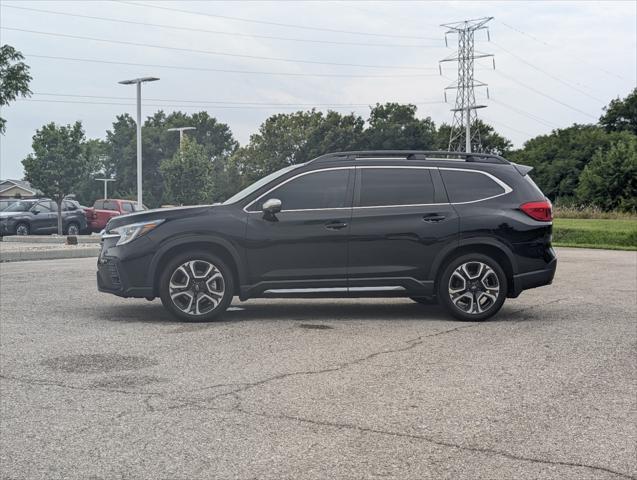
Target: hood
156 214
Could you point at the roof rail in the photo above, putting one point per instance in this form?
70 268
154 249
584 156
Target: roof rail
412 155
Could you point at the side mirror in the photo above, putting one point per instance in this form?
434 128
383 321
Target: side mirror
35 212
271 207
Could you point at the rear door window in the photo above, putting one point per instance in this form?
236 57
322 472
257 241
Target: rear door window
381 187
110 205
127 207
463 186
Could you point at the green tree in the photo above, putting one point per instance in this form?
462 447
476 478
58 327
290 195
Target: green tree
188 175
159 144
58 162
621 115
288 139
14 78
393 126
490 140
559 157
609 181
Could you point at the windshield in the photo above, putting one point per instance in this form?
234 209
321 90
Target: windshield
18 207
258 184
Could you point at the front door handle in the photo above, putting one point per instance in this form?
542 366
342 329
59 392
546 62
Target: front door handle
434 218
336 225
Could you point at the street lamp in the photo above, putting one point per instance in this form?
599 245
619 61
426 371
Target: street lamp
138 82
181 131
105 180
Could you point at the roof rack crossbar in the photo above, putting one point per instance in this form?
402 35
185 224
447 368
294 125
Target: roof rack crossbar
411 155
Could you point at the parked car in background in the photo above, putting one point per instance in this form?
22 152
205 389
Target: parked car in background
103 210
27 217
464 230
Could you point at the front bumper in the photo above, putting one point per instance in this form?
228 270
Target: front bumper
123 271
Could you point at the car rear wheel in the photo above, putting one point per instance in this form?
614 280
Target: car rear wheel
22 229
472 287
196 287
73 229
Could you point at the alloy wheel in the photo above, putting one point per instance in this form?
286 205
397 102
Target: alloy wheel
22 229
73 229
196 287
474 287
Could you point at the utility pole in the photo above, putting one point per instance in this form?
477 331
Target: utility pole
465 111
105 180
138 82
181 131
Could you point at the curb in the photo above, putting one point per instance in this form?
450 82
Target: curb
51 239
48 255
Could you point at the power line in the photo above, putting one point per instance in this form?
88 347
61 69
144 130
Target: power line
277 24
526 114
225 70
539 92
204 106
210 52
538 40
548 74
226 102
217 32
508 127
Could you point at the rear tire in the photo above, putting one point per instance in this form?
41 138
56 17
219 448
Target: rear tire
196 286
73 229
472 287
22 229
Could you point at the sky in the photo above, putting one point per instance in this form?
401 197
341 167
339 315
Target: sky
556 63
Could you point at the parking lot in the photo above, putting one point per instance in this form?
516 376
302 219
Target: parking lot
93 386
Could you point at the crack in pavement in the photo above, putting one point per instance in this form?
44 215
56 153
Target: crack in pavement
441 443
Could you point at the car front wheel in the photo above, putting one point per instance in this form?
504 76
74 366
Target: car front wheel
196 287
472 287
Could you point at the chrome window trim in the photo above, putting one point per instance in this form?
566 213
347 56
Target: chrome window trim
245 209
506 187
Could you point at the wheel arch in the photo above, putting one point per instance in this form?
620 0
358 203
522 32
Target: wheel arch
215 246
489 247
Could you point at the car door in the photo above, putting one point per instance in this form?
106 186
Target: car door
305 244
400 222
44 217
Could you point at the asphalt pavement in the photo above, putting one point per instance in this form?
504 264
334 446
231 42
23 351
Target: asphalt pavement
97 387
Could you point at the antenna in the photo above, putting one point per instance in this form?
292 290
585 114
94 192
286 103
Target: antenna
465 111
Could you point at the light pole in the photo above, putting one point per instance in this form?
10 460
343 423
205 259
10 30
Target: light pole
105 180
138 82
181 131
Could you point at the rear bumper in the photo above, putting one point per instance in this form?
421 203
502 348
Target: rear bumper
537 278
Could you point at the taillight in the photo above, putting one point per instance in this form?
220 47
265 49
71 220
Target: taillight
541 211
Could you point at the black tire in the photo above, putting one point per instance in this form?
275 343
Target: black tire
480 301
22 229
425 300
201 290
73 225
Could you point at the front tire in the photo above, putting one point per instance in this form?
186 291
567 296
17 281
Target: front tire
73 229
196 287
472 287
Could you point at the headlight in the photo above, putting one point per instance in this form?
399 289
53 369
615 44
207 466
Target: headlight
128 233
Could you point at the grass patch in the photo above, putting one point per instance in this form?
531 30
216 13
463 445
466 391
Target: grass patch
595 233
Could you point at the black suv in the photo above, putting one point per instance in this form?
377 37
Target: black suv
26 217
465 230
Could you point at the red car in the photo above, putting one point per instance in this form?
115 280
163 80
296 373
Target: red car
103 210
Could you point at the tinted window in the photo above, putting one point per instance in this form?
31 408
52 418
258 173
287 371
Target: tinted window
127 207
469 186
43 207
315 190
99 204
68 206
395 186
110 205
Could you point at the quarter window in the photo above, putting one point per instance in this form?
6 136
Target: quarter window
469 186
316 190
395 186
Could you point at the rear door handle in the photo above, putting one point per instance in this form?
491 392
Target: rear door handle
335 225
433 218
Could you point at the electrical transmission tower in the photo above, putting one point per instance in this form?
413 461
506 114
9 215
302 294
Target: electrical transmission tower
465 111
